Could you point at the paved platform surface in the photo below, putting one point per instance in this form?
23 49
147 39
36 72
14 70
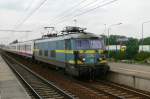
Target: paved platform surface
10 87
142 71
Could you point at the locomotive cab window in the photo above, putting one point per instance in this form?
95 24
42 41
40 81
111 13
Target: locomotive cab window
88 44
68 44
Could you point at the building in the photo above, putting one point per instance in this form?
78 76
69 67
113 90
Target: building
146 48
116 48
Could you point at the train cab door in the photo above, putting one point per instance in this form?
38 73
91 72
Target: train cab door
67 56
67 48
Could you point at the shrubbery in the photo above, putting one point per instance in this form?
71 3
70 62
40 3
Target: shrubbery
142 56
132 48
119 55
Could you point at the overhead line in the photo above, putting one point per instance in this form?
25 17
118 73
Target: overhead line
87 5
29 6
77 9
31 13
72 9
26 10
14 30
62 17
68 10
96 7
102 5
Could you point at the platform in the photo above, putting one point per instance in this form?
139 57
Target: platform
138 70
133 75
10 87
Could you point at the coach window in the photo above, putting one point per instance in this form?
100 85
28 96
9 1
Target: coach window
25 47
19 47
40 52
28 47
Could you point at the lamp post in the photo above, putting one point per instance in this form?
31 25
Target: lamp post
105 34
143 32
109 28
75 22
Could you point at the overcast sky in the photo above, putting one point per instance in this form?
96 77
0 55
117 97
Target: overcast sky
60 13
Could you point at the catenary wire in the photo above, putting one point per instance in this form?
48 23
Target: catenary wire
98 6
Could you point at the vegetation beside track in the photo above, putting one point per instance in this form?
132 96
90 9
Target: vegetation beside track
131 54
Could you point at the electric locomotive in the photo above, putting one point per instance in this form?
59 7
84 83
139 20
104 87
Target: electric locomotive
78 52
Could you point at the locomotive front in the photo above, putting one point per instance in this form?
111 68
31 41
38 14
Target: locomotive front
89 57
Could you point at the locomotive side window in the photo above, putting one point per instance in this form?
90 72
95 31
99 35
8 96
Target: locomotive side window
60 44
82 44
46 53
68 44
53 53
95 44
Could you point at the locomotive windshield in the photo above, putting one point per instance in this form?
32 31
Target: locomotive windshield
89 44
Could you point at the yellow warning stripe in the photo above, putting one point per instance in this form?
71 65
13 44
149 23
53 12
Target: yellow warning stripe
80 51
73 62
64 51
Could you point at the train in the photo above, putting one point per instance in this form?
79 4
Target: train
78 52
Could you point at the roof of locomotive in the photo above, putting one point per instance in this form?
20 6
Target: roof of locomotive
72 35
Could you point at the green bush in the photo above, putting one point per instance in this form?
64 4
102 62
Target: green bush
142 56
119 55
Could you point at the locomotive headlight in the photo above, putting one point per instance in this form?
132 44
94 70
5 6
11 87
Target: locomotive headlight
83 59
100 59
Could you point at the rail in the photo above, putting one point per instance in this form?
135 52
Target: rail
40 87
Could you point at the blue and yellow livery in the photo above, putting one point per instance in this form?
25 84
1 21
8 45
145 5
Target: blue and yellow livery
78 52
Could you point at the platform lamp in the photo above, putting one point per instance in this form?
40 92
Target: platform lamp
143 32
109 28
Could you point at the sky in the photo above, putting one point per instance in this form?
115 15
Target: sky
30 15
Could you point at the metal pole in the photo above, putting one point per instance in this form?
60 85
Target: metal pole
75 22
142 35
116 47
108 42
109 36
104 35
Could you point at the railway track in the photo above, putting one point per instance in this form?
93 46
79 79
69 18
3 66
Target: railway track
88 90
40 87
116 90
123 91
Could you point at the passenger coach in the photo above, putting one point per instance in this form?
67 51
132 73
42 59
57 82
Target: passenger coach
21 48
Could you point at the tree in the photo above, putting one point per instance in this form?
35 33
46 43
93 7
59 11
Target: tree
146 41
132 48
